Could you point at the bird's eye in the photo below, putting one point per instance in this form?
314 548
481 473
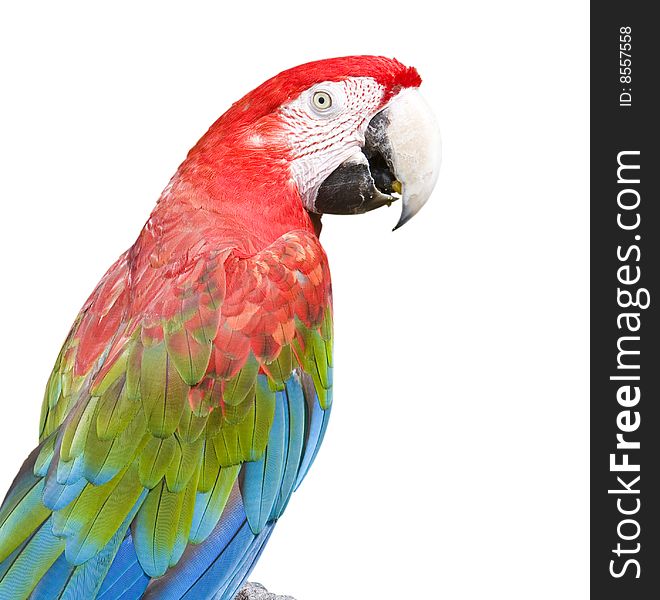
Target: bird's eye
322 100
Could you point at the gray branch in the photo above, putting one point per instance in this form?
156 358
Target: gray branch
256 591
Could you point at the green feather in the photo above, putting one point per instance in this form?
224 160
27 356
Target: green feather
210 465
134 367
89 522
191 426
189 355
115 373
21 514
70 430
321 360
326 325
162 391
280 369
124 447
247 440
92 572
87 422
116 410
45 456
31 564
233 414
155 529
186 460
155 459
209 505
238 387
185 519
9 561
328 351
316 363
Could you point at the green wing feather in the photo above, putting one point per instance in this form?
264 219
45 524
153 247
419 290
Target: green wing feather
152 423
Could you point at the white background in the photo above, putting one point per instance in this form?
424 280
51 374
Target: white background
456 459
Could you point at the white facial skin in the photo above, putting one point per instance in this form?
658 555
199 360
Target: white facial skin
326 126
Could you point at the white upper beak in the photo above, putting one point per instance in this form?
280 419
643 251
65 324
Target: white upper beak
414 139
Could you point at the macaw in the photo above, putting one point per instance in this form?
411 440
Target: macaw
194 389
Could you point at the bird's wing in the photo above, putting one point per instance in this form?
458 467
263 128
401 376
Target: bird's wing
186 405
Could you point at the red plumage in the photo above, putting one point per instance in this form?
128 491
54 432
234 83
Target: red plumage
229 194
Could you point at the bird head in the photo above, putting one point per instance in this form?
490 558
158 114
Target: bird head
353 134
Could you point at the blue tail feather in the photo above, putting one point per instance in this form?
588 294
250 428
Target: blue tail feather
244 568
296 439
53 582
136 590
261 480
318 422
204 567
124 574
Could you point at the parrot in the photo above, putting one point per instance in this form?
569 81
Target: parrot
194 389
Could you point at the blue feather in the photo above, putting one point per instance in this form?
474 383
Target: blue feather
68 472
244 568
58 495
324 427
136 590
261 480
318 422
295 437
213 582
206 567
124 574
209 505
87 578
53 582
34 560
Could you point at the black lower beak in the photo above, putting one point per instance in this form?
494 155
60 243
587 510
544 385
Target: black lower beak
363 182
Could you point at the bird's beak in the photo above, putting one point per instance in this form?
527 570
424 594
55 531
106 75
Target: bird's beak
400 160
